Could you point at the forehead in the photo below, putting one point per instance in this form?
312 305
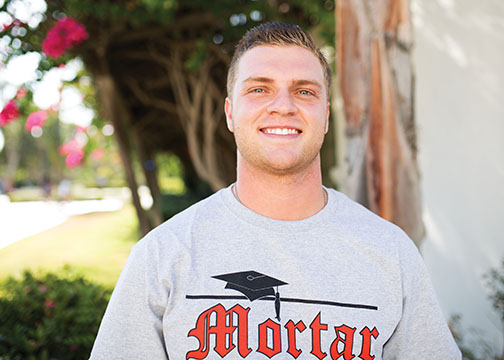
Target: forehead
279 63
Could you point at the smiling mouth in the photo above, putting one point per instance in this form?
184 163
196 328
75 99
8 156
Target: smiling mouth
280 131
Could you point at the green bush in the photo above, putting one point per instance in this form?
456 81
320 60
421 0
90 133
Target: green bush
172 204
51 316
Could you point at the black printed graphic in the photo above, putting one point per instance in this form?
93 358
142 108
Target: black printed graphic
257 286
254 286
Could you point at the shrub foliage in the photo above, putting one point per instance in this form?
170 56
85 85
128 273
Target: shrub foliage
49 316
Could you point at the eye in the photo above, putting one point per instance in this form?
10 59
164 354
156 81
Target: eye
305 92
257 90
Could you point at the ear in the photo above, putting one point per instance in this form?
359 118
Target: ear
327 118
228 109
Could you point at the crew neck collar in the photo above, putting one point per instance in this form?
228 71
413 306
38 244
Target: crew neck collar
240 211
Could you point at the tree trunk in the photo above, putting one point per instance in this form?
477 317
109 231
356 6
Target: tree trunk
376 83
115 111
12 141
150 172
200 106
198 103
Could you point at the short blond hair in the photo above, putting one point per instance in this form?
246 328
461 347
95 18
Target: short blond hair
276 34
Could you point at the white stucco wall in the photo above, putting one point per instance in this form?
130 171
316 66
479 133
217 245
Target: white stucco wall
459 64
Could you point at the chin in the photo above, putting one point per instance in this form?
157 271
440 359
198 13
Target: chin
278 162
285 168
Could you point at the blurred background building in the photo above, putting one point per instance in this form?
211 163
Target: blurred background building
459 52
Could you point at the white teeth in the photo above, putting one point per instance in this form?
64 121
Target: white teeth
281 131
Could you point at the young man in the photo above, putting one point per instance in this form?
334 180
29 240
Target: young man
206 284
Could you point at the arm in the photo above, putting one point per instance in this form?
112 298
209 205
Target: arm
422 332
132 325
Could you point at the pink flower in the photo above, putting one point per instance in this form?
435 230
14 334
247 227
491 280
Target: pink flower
43 289
75 32
9 113
66 34
79 128
73 151
21 93
74 158
54 107
37 118
69 147
49 304
97 154
54 44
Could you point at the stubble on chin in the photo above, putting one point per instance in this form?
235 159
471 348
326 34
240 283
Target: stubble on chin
277 166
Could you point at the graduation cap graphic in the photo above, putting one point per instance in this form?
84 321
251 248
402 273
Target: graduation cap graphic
254 285
257 286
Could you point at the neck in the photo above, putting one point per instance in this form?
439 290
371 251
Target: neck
281 197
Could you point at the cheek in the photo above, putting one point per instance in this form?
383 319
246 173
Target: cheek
316 115
246 114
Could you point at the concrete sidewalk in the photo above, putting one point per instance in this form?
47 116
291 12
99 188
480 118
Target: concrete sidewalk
20 220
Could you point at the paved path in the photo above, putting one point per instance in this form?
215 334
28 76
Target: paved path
20 220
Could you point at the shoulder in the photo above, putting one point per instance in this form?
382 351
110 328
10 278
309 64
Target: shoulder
360 224
357 217
179 227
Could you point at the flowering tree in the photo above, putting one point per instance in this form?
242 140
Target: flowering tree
66 34
18 128
159 70
9 113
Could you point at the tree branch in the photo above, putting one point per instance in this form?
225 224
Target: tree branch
148 99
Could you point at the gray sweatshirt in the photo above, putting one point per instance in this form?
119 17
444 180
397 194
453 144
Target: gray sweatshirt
220 281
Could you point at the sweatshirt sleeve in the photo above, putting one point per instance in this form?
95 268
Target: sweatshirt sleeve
422 332
132 325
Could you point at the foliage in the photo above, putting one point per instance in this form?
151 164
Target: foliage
171 174
476 347
49 316
66 34
101 18
473 347
10 112
40 150
32 151
172 204
31 154
495 283
148 61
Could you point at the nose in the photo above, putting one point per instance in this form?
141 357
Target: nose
282 103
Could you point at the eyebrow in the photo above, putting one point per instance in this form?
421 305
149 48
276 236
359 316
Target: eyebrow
267 80
307 82
260 79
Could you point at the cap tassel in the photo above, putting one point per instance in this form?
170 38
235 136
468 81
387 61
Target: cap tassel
277 305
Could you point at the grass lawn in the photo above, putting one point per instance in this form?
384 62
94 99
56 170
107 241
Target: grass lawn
94 245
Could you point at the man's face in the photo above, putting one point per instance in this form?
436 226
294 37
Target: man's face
278 109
